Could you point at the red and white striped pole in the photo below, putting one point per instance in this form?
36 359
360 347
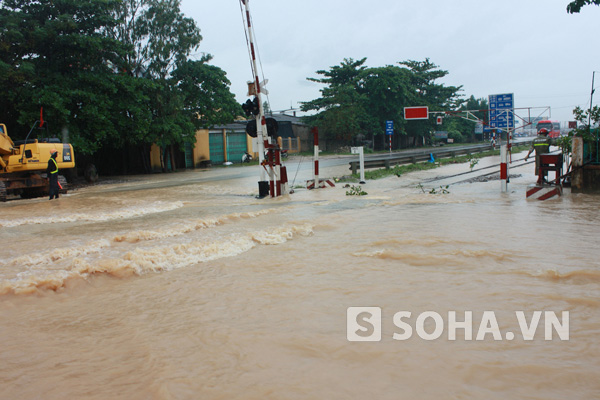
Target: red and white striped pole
277 172
316 142
261 123
284 180
270 162
504 168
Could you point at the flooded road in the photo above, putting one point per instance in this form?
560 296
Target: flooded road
185 286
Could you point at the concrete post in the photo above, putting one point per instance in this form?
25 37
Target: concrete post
577 164
504 168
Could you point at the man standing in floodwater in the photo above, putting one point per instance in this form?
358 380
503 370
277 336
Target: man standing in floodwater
541 145
52 172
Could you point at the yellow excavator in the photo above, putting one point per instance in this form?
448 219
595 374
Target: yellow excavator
23 164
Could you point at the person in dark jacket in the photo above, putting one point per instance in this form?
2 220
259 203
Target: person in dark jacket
541 145
52 172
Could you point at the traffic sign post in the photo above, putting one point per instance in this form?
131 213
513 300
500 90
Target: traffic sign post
502 117
502 114
389 130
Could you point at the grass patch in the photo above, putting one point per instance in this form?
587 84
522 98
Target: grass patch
397 170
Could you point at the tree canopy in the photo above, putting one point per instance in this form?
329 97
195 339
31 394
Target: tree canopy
357 100
111 72
575 6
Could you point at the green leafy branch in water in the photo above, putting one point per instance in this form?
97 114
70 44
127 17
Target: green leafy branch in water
356 191
441 190
473 161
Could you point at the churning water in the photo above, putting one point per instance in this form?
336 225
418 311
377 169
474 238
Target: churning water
184 286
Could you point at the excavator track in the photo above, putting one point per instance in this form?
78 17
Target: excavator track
2 191
42 191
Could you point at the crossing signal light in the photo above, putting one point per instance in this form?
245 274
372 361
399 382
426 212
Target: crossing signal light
251 107
272 127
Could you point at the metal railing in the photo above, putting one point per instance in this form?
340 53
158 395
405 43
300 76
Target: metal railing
411 157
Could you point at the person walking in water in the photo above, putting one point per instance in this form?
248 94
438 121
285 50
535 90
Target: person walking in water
52 172
541 145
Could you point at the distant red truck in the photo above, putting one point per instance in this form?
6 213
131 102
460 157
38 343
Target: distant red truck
553 128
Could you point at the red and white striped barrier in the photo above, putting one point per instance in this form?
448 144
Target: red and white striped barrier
322 184
278 181
539 192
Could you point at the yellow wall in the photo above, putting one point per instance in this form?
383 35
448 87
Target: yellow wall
201 151
292 144
202 147
155 158
250 147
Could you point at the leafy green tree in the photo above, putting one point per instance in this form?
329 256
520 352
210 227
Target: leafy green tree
53 55
159 38
357 100
266 108
113 73
575 6
387 89
186 94
587 119
342 113
461 129
205 91
426 92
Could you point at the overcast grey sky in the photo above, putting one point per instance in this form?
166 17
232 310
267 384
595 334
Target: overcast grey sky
531 48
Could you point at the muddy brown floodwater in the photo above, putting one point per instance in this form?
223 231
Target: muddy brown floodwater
184 286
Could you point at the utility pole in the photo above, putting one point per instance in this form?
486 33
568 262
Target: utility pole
591 102
590 114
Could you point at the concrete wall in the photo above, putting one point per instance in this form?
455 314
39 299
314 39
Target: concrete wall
584 179
303 133
588 180
591 178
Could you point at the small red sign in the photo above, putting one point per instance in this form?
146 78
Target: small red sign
416 113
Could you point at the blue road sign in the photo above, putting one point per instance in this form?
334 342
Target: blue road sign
502 115
389 127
